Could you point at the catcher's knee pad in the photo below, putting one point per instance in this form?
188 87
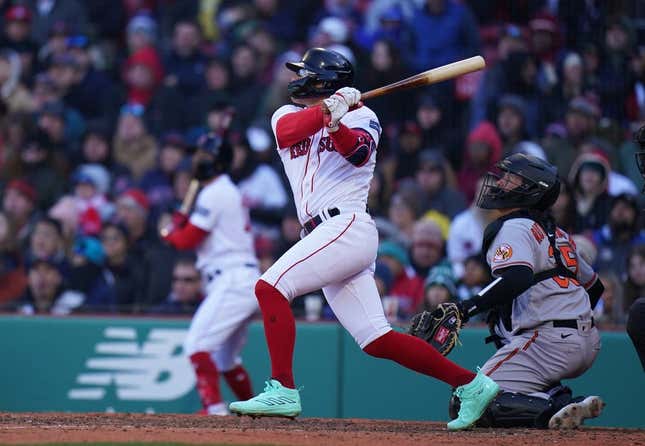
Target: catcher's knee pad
510 409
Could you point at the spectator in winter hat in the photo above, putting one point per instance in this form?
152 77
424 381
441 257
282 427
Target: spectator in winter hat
16 35
19 205
428 246
132 209
439 287
483 150
143 73
511 113
407 286
141 32
589 176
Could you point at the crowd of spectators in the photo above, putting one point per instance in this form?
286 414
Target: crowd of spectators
102 102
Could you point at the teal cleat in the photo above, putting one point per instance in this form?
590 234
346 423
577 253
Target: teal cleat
475 398
275 401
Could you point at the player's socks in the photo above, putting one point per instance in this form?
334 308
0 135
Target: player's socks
239 382
280 331
207 378
418 355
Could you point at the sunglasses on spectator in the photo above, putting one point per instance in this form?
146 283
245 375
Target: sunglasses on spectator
186 279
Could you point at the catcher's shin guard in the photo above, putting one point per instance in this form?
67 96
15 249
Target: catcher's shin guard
511 409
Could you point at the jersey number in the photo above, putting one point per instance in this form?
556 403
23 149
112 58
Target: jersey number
570 259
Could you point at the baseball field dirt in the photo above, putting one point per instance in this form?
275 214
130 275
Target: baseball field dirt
40 428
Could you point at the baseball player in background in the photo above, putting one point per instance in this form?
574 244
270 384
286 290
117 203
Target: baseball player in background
327 142
543 294
636 315
219 229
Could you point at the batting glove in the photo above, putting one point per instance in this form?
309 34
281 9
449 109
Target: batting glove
351 95
337 108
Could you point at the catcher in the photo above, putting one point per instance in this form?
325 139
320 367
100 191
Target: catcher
541 301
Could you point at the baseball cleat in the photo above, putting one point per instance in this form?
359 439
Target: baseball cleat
573 415
275 401
218 409
475 398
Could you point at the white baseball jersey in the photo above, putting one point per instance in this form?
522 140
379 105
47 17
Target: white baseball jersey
320 177
219 210
521 241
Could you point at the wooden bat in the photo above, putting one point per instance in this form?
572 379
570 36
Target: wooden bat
429 77
189 198
186 205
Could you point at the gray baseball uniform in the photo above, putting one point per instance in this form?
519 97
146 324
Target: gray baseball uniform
552 335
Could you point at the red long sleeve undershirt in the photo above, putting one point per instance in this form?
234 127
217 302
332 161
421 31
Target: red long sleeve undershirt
294 127
186 237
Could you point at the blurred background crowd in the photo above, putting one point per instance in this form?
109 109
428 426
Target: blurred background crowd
102 102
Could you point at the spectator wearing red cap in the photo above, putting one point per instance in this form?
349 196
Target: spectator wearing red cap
483 150
157 259
16 34
44 167
19 205
545 43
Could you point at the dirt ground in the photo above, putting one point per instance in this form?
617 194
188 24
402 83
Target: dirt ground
16 428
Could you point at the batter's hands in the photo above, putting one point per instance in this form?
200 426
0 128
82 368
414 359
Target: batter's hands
351 95
337 107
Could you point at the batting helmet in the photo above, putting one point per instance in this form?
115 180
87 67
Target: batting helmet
535 186
639 138
221 156
321 72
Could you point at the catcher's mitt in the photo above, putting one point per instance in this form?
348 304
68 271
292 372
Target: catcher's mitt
439 328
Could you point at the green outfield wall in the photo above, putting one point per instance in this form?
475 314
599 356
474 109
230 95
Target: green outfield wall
88 364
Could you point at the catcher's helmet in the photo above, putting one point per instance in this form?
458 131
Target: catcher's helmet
221 152
538 189
321 72
639 138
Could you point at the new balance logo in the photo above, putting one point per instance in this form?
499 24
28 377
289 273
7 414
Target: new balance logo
154 369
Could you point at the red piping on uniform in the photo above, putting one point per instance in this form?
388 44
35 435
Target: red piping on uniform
509 356
313 175
513 353
316 251
530 341
302 192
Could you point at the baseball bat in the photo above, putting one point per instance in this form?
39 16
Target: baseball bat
186 205
189 198
429 77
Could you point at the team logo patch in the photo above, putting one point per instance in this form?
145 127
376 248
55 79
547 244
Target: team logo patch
503 252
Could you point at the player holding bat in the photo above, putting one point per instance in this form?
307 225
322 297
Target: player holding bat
327 142
219 229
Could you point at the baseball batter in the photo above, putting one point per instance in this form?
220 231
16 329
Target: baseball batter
219 229
544 294
327 142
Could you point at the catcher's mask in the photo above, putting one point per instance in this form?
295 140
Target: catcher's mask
219 156
524 181
321 72
639 138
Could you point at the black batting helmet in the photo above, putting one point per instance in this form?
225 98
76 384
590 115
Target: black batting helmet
538 189
321 72
639 138
222 156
